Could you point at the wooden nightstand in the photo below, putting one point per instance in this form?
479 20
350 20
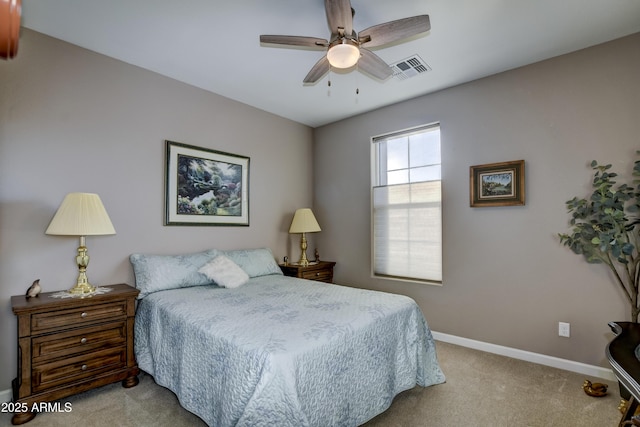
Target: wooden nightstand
322 271
70 345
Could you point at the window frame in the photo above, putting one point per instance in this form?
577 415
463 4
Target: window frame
374 182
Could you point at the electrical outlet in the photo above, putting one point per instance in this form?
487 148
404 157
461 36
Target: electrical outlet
564 329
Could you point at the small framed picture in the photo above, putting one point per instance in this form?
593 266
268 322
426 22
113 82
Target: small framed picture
205 187
497 184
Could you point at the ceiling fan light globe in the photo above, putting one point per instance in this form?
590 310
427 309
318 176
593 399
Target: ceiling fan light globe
343 55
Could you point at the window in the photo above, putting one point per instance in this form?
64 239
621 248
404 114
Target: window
406 205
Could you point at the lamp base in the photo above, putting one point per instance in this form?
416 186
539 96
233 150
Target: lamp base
82 287
304 262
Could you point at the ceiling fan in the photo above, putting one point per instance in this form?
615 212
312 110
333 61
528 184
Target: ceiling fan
346 48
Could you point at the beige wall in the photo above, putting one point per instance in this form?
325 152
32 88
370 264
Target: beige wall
507 280
73 120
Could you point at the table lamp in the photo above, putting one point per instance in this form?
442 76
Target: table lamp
81 214
304 222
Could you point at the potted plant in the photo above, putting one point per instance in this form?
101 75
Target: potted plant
604 229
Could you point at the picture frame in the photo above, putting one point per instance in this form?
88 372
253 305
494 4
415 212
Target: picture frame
205 187
497 184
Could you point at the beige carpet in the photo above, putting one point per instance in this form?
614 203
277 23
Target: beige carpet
482 390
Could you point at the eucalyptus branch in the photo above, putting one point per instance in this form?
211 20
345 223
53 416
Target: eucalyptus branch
618 278
636 274
630 280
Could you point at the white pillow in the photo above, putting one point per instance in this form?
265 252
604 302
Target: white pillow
224 272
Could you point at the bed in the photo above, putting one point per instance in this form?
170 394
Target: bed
269 349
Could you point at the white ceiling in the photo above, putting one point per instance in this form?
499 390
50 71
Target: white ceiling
214 44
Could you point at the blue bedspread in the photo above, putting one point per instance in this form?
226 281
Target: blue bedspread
280 351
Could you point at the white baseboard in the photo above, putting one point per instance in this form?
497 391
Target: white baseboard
541 359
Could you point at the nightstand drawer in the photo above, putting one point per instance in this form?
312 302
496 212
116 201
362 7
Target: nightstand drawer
65 371
70 343
64 319
319 275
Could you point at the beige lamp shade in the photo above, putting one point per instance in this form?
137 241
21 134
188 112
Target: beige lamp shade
81 214
304 222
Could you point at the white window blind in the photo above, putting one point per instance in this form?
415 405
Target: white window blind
407 206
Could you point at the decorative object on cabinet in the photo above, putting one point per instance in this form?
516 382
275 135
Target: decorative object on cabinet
322 271
205 187
98 290
304 222
604 229
34 289
497 184
81 214
67 346
10 14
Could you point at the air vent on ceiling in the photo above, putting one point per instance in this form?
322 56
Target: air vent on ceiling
409 67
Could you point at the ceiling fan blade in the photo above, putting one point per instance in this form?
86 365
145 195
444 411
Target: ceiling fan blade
339 15
372 64
318 71
294 41
392 31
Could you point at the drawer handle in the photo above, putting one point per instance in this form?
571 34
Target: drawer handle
84 314
83 340
317 274
84 367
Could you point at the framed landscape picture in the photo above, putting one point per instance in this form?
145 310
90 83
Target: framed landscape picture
497 184
205 187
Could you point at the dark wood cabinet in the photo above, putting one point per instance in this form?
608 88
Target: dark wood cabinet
70 345
321 271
